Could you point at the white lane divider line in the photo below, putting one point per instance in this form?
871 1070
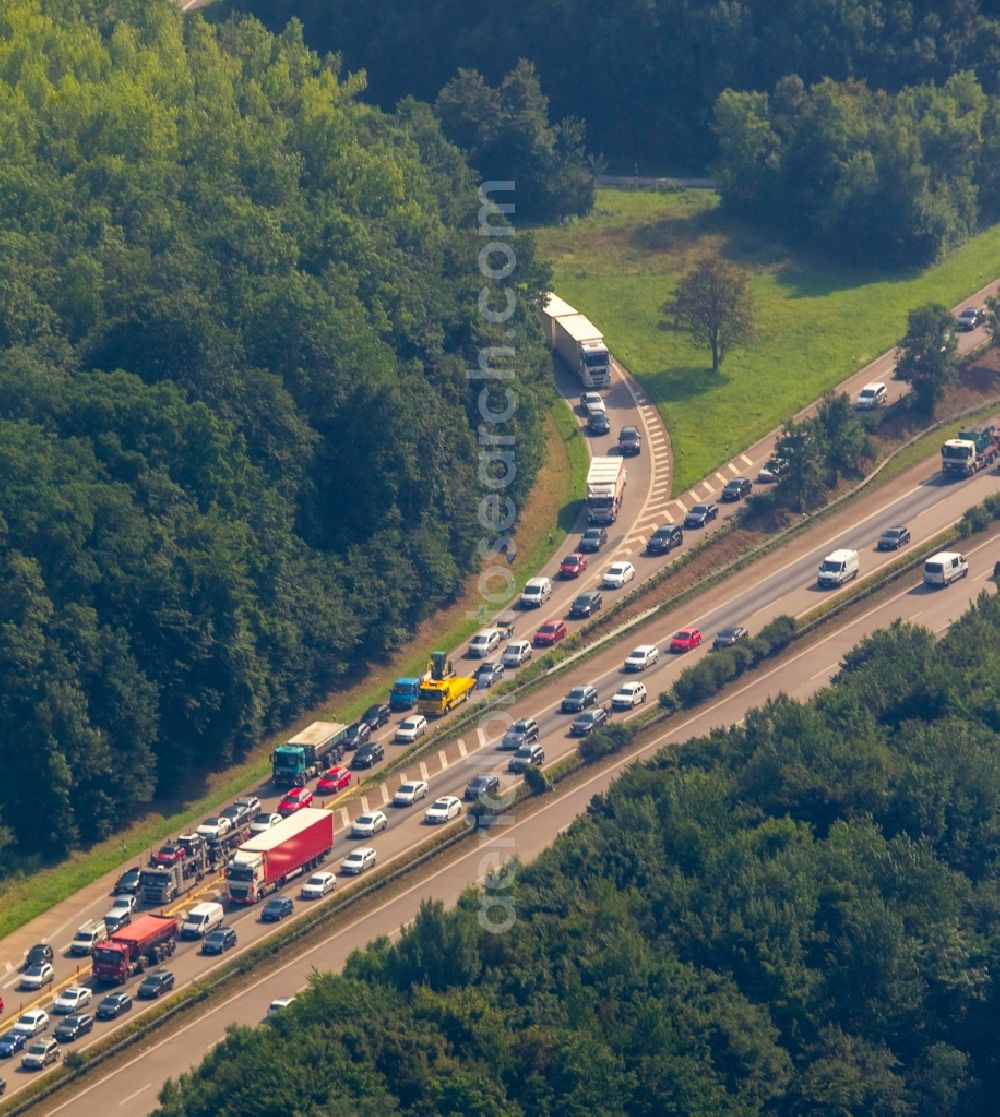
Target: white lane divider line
745 459
463 752
424 774
385 794
364 804
443 758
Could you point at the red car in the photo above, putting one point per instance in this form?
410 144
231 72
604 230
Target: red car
169 854
295 800
572 566
550 633
685 639
333 780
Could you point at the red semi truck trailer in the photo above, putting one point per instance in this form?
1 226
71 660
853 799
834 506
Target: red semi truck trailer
147 941
263 864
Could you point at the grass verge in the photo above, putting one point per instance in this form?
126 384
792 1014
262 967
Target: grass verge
819 320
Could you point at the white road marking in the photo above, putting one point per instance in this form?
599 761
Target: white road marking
385 794
345 817
745 459
733 470
424 774
364 804
443 758
481 735
825 671
722 479
706 485
463 752
135 1094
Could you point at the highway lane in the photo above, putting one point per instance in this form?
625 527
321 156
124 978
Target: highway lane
132 1088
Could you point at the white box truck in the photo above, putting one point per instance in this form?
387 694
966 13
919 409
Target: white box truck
605 489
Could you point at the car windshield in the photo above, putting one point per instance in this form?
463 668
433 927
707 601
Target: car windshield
406 789
576 692
530 590
211 822
585 719
832 566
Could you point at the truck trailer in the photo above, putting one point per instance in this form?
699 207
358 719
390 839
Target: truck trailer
605 489
578 341
308 753
972 449
264 863
148 941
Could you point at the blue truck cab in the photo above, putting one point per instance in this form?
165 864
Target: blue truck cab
404 693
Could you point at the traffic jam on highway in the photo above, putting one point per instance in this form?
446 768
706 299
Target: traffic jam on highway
260 859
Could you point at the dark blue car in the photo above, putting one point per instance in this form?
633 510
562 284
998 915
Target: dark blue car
276 909
11 1043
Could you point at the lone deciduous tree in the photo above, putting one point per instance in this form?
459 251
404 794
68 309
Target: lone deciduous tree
714 305
928 355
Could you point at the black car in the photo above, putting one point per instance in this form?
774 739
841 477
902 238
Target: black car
629 442
522 732
358 734
368 755
701 514
218 941
728 637
526 756
664 539
376 715
971 317
588 721
127 883
277 908
893 538
79 1024
598 423
40 952
113 1006
480 786
154 985
736 489
592 540
584 604
579 698
489 673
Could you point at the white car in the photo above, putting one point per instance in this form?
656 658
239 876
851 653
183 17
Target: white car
278 1005
408 793
617 574
249 803
516 653
593 403
32 1023
444 809
628 696
645 655
411 728
484 643
368 824
264 821
358 860
123 901
872 395
72 1000
318 886
215 827
38 976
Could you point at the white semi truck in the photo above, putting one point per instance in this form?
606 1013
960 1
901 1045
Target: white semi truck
578 341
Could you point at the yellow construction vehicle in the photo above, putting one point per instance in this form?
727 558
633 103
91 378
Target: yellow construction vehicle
443 690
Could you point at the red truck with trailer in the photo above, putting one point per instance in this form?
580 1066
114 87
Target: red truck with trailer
264 863
147 941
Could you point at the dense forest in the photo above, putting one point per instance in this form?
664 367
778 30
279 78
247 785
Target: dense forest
795 917
238 450
645 74
897 179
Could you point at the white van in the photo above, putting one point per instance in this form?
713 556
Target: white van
89 935
838 567
201 919
944 568
536 593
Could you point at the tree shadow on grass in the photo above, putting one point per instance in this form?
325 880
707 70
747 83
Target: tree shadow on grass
683 382
569 516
